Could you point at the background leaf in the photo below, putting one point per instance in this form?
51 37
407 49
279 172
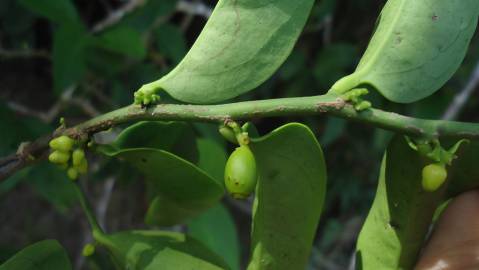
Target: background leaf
50 182
416 48
178 190
59 11
243 43
289 198
212 158
69 49
44 255
216 229
151 250
170 42
463 173
123 40
402 211
176 137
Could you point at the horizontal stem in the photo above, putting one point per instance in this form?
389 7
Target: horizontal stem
314 105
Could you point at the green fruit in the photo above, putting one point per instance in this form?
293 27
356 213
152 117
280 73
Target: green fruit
62 143
240 173
78 156
72 173
82 167
88 250
59 157
433 176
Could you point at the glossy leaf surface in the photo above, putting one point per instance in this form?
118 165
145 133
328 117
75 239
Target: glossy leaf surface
44 255
399 219
176 137
289 198
416 48
216 229
243 44
152 250
178 189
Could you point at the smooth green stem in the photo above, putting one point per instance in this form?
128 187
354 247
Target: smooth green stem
95 227
315 105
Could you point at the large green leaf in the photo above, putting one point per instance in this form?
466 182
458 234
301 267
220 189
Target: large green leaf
44 255
289 198
398 221
59 11
212 158
417 47
243 44
176 137
216 229
69 55
153 250
178 189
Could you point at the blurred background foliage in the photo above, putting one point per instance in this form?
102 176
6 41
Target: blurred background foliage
81 58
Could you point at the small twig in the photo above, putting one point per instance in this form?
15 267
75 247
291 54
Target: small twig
51 114
86 106
6 54
195 8
101 205
186 22
462 97
117 15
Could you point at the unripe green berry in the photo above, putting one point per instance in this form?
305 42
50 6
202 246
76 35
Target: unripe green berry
62 143
82 168
433 176
78 156
88 250
59 157
240 173
72 173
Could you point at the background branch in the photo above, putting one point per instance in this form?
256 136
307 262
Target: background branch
461 99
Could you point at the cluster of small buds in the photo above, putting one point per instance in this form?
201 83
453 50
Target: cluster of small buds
63 152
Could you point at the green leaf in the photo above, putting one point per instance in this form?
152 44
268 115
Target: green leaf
178 189
334 128
123 40
69 56
216 229
464 173
151 250
170 42
44 255
176 137
59 11
243 44
144 17
398 221
334 62
289 198
50 182
212 158
417 47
